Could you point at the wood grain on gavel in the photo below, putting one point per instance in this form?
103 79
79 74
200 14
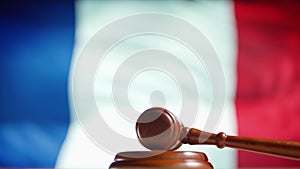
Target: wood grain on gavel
158 129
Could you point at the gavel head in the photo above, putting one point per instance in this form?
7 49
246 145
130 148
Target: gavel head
159 129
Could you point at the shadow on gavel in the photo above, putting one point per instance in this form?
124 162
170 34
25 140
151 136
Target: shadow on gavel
158 129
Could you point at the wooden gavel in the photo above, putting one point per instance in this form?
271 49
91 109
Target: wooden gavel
159 129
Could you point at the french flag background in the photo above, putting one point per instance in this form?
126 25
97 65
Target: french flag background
258 43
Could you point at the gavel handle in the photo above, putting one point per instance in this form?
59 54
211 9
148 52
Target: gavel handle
285 149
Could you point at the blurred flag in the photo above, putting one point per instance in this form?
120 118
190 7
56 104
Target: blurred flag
268 86
257 42
36 48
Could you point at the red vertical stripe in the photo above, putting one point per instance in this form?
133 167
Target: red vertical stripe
268 89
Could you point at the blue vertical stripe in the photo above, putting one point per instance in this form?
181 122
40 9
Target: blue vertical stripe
36 47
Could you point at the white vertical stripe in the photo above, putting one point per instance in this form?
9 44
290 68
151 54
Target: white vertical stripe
215 19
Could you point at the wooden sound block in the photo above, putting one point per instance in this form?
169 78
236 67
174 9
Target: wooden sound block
161 160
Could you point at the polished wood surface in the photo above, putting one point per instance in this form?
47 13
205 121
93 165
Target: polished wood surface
161 160
158 128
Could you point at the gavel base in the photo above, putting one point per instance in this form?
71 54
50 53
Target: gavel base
161 160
